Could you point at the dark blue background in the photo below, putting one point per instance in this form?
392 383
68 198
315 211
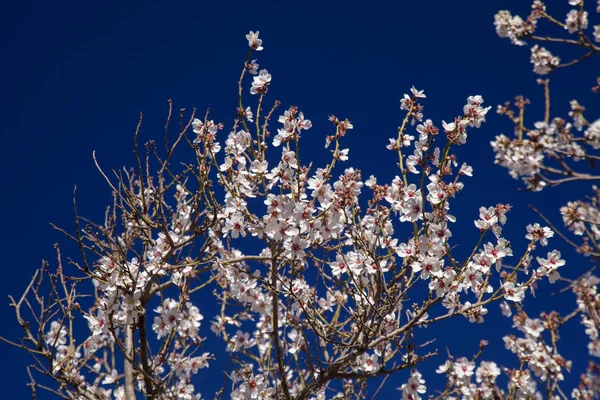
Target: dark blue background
77 74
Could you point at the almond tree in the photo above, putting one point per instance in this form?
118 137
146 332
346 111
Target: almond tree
322 279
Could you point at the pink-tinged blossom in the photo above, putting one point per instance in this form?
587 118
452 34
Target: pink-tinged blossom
248 114
110 378
532 327
371 182
440 233
414 160
99 323
473 111
261 82
240 341
576 20
406 250
463 368
169 317
466 170
505 309
296 341
474 314
592 133
488 218
206 133
187 366
253 41
197 126
254 387
373 267
303 124
406 139
414 387
549 266
429 266
295 247
57 335
543 61
537 233
292 126
443 284
435 192
457 130
368 363
445 367
342 155
259 167
253 67
513 292
419 94
236 225
410 103
339 266
498 252
131 303
289 159
512 27
487 371
474 278
576 113
426 130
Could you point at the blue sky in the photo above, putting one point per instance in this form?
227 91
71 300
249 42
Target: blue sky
77 74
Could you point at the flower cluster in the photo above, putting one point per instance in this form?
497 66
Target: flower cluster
576 20
540 357
513 27
520 30
543 61
414 387
472 383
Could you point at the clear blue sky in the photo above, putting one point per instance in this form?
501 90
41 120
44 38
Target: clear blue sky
76 75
